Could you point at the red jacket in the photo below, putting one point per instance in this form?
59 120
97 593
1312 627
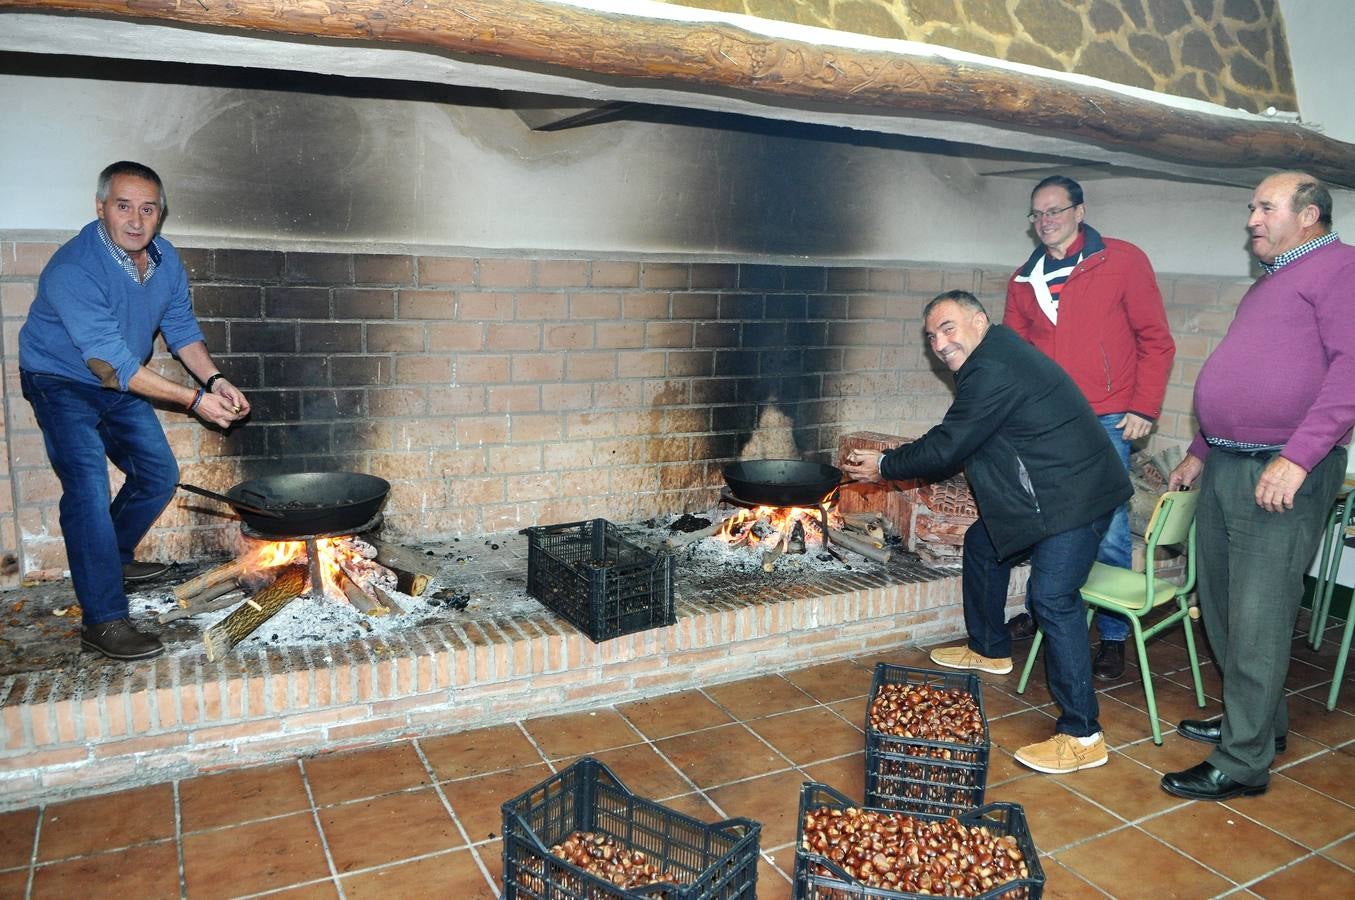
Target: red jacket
1112 337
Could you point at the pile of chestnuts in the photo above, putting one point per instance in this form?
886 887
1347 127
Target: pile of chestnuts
904 853
927 712
600 854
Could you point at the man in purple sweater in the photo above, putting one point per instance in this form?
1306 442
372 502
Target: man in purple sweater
1276 403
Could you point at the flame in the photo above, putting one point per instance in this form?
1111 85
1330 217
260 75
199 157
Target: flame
334 552
780 521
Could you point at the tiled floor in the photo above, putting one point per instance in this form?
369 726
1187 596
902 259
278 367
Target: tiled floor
421 818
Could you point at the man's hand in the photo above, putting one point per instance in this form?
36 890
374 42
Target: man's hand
231 394
863 465
220 411
1185 473
1279 482
1134 426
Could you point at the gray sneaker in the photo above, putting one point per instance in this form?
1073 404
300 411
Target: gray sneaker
119 639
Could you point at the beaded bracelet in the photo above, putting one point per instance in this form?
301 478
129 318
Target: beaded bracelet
192 407
211 381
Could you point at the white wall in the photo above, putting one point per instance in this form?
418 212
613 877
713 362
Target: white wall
1321 36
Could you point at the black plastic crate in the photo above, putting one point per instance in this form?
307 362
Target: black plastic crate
714 861
603 584
819 878
915 775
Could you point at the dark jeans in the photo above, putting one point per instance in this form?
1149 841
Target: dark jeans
1251 565
1059 566
85 427
1117 547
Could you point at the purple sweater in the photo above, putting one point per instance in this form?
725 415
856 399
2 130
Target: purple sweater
1285 371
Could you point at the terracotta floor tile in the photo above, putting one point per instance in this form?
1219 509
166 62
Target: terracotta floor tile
1122 724
107 822
661 717
335 778
832 681
1314 877
1211 834
998 703
577 734
1002 766
259 856
811 735
773 800
720 755
319 890
388 829
447 875
1036 693
1345 700
491 859
1174 701
1063 884
230 798
852 711
14 884
1302 676
761 696
1011 733
772 883
150 870
17 831
1330 773
1344 852
478 801
1299 813
1057 817
912 657
1209 674
643 772
1312 720
1124 786
1130 857
695 805
1176 753
846 775
479 751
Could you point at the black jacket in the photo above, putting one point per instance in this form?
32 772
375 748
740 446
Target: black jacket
1037 459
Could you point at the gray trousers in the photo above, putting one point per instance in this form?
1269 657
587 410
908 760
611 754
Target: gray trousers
1250 567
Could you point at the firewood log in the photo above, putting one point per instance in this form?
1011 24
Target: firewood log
360 599
857 545
222 637
413 572
222 574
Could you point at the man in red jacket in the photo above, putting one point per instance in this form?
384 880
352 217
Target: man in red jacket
1093 306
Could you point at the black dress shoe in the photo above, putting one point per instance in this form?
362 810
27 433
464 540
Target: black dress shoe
1204 782
1109 662
119 639
143 571
1210 731
1021 627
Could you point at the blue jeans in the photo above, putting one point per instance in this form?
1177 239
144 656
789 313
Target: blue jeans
84 427
1058 568
1117 547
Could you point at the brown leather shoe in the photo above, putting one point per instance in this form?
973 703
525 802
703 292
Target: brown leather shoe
119 639
1109 662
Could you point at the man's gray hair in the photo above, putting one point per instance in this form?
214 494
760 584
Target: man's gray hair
1311 192
136 170
965 299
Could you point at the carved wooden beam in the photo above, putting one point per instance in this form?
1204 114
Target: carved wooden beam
723 58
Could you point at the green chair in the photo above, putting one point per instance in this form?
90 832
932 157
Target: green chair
1136 595
1329 564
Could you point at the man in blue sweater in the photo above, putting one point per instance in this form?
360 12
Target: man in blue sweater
82 364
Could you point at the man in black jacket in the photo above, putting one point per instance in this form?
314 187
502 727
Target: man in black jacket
1047 481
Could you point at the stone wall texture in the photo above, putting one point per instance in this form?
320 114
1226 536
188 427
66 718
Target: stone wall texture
1232 52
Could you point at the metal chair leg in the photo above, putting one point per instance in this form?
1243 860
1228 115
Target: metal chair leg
1332 540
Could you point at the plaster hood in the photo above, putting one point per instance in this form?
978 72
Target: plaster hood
594 53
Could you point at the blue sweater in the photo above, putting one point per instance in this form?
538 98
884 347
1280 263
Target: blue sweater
88 307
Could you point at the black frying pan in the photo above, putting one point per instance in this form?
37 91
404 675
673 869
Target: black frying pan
306 503
781 482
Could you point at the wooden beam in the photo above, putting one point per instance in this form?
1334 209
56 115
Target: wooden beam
720 57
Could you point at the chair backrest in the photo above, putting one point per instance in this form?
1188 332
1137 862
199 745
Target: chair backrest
1172 522
1171 519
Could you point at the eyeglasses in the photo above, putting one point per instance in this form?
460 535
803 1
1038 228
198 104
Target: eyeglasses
1038 214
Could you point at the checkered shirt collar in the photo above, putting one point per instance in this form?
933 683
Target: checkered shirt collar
125 261
1289 256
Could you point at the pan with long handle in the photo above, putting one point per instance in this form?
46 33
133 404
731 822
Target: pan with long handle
781 482
307 503
236 504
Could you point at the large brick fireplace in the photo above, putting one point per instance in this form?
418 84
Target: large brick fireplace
497 393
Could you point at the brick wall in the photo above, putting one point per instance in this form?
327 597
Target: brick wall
496 393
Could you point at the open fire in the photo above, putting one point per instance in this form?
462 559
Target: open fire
775 531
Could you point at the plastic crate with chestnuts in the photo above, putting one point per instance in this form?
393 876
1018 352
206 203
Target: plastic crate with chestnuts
926 741
581 835
848 852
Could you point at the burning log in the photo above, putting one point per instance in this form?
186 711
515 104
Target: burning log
222 637
387 600
678 541
411 570
195 588
360 599
202 604
858 545
796 542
